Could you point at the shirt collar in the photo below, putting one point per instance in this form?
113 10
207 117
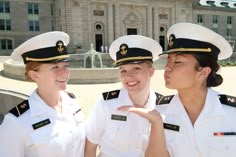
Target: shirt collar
125 99
39 107
212 104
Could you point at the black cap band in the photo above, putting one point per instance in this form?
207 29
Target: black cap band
132 55
49 54
189 45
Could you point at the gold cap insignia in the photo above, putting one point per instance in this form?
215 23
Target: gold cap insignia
123 49
60 46
171 41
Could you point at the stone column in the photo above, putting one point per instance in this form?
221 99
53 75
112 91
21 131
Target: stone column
173 12
156 28
149 22
110 23
117 20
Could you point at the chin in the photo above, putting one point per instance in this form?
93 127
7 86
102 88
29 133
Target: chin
168 85
62 87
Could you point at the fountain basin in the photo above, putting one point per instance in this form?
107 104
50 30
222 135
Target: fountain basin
16 70
93 75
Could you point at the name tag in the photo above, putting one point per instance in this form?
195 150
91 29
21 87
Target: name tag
118 117
41 124
171 127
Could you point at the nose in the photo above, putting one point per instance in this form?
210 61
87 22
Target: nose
168 66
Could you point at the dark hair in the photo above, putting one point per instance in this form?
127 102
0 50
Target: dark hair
209 60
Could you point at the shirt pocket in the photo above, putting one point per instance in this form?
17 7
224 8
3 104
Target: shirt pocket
177 143
222 146
43 142
43 136
117 135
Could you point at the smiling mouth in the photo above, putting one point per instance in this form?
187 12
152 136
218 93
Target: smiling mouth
62 81
132 83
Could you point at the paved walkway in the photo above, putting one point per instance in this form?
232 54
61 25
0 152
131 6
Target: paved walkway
87 94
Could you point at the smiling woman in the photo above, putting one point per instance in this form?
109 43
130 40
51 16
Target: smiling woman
120 134
49 122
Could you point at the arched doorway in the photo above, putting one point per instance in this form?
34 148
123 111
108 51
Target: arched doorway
99 41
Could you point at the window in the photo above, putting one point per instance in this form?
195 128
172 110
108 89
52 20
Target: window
211 3
4 7
215 30
199 18
229 32
6 44
5 24
229 20
225 4
34 25
33 8
215 19
52 25
52 9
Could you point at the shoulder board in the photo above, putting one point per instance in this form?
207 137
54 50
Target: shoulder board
20 109
71 95
227 100
165 100
159 97
111 95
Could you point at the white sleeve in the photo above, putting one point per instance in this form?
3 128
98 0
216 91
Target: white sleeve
11 141
96 123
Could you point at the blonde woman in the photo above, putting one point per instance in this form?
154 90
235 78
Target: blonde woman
50 123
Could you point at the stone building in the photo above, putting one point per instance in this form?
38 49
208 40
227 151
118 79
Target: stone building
101 21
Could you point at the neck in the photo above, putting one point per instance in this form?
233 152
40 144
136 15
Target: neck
139 99
52 99
193 101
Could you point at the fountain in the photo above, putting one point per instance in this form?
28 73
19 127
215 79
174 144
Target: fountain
92 54
97 71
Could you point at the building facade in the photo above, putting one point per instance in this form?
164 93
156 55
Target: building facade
99 22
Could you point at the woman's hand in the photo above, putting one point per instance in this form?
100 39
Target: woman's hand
152 115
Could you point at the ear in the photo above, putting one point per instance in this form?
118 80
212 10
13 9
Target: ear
33 75
204 72
152 71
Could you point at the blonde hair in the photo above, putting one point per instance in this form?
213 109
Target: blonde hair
34 66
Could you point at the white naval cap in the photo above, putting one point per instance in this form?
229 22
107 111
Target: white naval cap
193 38
134 49
46 47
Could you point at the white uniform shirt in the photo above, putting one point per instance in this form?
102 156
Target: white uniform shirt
64 136
199 140
119 134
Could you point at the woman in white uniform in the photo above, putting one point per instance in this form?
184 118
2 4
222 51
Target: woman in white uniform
49 123
198 121
118 134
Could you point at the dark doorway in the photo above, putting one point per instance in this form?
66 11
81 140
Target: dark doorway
162 42
99 43
131 31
